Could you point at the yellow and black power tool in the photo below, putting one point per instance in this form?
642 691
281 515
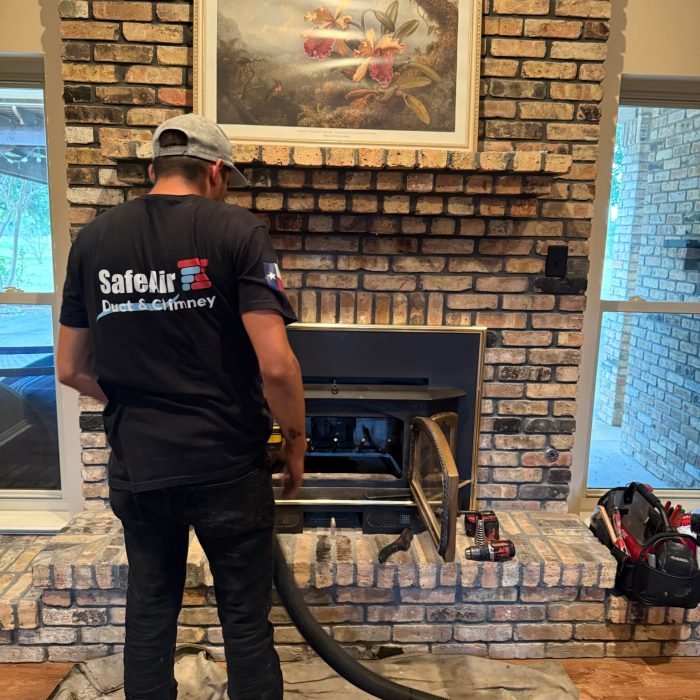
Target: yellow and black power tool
274 445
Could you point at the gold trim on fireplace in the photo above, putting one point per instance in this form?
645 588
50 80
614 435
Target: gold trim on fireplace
340 502
433 433
386 327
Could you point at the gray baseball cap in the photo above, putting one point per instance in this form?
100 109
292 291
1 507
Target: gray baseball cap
205 140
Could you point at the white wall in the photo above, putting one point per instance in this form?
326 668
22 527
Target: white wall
20 26
662 37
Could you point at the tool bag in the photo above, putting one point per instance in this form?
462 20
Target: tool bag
661 565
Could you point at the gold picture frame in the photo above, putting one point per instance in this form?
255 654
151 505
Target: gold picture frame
357 73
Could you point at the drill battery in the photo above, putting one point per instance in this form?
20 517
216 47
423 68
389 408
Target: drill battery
490 520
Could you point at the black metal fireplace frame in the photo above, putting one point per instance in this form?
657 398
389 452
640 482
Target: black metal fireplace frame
358 365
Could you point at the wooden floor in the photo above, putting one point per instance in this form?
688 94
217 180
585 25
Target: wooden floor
596 679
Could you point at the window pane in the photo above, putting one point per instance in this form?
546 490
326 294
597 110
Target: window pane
646 419
25 228
28 433
653 243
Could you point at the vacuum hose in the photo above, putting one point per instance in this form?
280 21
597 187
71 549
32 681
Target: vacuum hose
328 649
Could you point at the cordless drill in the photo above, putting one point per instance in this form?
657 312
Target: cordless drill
493 550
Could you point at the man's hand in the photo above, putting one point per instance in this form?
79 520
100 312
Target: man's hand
293 469
74 362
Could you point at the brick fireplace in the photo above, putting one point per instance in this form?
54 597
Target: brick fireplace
377 236
400 236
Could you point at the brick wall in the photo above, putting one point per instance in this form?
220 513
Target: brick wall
398 236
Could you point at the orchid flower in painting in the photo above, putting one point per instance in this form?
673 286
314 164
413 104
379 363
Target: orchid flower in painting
327 32
378 57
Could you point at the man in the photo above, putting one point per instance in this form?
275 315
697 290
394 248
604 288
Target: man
172 311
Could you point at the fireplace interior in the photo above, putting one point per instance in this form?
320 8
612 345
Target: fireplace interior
392 427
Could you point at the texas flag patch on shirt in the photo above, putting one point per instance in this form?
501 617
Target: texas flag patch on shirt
273 276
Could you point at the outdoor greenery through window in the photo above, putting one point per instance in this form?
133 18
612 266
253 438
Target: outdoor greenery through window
29 457
646 421
25 228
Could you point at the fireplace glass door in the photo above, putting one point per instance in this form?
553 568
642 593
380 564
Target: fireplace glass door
434 478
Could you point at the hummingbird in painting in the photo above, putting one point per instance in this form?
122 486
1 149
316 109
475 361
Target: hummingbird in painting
274 90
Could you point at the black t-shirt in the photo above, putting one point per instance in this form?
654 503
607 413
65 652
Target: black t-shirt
162 282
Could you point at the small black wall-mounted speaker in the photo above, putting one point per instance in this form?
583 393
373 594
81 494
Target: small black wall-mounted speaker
555 264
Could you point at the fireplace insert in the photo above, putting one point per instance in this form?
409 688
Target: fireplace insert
392 428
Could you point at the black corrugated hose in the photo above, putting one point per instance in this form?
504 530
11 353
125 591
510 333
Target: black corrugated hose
328 649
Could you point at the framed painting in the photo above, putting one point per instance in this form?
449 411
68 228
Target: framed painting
355 73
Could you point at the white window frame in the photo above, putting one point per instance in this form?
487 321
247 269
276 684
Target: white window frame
661 91
47 510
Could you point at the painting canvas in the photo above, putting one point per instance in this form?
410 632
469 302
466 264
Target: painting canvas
361 72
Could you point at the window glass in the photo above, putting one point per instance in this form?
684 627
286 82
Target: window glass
646 419
28 433
25 228
653 242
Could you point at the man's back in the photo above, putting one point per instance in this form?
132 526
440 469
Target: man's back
174 315
162 282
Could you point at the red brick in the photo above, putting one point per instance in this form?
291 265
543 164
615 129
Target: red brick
504 247
151 75
108 31
546 110
526 338
584 8
553 631
126 95
549 69
519 47
389 282
497 108
505 26
123 53
472 301
501 284
558 29
501 320
373 263
73 8
578 50
134 11
331 281
174 11
83 73
573 132
458 246
174 55
576 91
445 283
180 97
521 7
423 263
567 210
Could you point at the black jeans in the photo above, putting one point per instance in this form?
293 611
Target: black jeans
234 523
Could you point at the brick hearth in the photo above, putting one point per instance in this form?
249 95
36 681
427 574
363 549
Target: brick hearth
62 597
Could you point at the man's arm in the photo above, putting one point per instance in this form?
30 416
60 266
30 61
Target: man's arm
73 362
283 388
